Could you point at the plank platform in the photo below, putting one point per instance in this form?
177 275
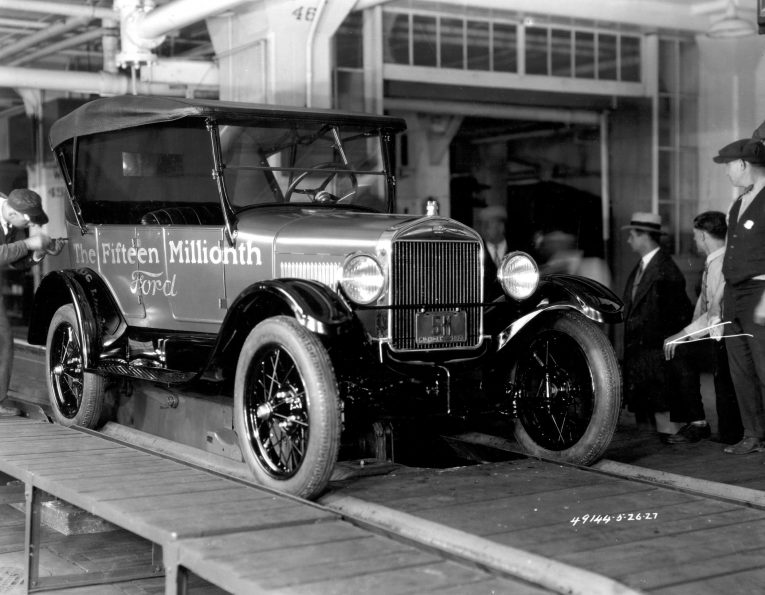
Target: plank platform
238 536
686 544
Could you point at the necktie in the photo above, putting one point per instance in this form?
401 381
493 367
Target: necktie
638 277
703 296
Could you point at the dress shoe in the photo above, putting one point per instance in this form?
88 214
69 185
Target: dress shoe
745 446
9 411
690 433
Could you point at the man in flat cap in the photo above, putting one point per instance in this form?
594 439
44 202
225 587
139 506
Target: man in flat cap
655 307
744 295
19 210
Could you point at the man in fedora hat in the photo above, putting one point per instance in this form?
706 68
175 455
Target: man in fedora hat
19 210
744 294
656 306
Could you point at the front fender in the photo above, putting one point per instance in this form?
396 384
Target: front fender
313 305
593 299
567 292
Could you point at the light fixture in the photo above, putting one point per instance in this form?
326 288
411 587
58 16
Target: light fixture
731 25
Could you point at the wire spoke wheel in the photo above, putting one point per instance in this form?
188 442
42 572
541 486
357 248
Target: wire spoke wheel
66 370
277 412
558 392
76 396
567 389
286 410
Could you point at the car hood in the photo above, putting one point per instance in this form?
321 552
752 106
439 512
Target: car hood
317 230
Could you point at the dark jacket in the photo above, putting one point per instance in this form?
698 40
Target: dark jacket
660 308
744 254
14 253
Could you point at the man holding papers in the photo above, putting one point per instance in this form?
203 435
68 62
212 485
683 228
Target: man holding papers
691 351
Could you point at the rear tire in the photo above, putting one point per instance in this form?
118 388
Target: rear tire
76 396
286 411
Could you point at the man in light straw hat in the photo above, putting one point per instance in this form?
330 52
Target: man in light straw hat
655 307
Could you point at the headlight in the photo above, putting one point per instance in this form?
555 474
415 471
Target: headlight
518 274
363 280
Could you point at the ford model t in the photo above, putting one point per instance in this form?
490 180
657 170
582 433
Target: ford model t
256 249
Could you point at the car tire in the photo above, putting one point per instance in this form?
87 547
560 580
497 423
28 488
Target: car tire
567 390
76 397
286 411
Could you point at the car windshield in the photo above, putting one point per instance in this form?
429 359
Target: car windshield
303 163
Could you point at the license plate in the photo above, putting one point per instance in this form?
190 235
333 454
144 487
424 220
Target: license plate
441 327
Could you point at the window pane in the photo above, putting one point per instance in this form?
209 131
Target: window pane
666 168
561 52
452 43
630 47
396 46
667 66
505 48
424 45
607 57
350 91
689 175
584 55
665 122
536 50
349 52
478 45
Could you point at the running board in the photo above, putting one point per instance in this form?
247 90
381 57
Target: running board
144 373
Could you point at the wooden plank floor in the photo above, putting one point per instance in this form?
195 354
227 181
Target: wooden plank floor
240 537
694 545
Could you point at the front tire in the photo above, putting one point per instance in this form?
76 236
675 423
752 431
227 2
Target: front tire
568 391
76 396
286 411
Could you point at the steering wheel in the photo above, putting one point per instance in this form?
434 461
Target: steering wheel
318 194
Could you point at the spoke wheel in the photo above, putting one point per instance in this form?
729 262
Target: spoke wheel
286 408
76 396
568 391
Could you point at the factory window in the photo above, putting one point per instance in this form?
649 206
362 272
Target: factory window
494 45
677 110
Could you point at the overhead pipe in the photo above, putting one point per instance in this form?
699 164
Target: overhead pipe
71 10
99 83
22 23
52 31
69 42
176 15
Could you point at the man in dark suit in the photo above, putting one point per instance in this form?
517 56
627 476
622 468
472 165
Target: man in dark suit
656 306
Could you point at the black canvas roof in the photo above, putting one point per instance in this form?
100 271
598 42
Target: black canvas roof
127 111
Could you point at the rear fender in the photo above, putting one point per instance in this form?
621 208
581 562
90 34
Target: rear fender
92 303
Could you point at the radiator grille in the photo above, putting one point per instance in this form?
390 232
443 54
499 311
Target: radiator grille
434 276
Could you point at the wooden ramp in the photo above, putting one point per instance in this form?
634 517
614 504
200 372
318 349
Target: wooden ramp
645 536
237 536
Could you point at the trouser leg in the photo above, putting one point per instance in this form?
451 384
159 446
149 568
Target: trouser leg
747 372
686 403
728 416
6 352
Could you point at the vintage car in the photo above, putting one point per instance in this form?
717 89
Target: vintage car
257 249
